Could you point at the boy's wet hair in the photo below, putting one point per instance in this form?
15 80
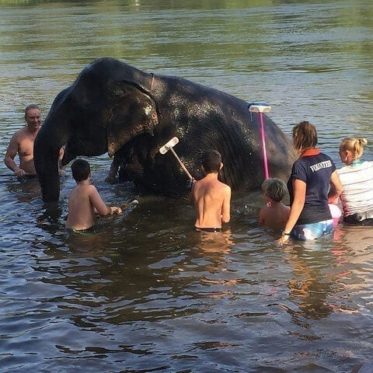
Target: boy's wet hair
275 189
211 161
80 169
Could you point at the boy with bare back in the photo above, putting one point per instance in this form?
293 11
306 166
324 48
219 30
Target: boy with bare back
84 200
211 197
275 214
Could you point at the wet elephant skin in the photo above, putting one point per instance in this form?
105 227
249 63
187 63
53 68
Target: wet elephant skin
114 107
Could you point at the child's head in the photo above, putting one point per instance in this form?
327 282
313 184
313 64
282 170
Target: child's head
211 161
275 189
80 169
353 145
304 136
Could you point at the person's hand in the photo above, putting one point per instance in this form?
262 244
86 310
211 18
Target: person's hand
284 239
115 210
19 172
333 200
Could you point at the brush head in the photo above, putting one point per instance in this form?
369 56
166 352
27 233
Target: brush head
166 147
259 107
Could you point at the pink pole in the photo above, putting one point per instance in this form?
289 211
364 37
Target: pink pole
260 108
265 159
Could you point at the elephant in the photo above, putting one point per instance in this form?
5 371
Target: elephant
116 108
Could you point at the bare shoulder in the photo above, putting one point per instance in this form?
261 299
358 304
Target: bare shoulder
225 187
91 189
16 136
14 142
198 185
21 133
87 190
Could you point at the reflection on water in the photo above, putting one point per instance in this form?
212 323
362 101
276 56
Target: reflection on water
24 190
147 292
311 285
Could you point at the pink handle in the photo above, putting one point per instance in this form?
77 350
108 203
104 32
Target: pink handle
265 159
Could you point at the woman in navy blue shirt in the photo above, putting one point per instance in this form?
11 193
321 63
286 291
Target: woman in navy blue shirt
309 186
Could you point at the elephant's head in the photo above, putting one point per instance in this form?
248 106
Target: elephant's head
106 107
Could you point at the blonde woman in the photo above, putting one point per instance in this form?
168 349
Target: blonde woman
309 186
357 180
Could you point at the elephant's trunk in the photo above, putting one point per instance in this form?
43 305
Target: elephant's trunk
46 152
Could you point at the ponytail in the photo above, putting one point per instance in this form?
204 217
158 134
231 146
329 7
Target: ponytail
355 145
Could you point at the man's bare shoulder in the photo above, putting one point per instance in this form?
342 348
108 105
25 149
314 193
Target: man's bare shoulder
19 136
15 137
15 140
22 132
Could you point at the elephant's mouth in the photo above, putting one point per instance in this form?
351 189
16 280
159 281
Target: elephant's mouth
116 142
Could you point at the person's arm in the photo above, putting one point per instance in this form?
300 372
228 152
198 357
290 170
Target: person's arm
10 154
192 191
336 188
261 217
226 209
100 206
296 208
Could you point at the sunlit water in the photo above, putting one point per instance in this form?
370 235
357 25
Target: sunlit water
146 293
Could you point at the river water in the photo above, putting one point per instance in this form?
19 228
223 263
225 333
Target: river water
146 293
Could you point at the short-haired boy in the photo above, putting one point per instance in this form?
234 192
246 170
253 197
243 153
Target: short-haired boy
211 197
275 214
84 199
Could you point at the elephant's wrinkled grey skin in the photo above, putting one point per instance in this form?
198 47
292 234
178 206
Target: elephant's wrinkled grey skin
113 107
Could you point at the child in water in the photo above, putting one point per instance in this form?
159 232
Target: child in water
84 200
211 197
275 214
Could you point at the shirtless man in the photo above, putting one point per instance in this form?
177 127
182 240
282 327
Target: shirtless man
84 200
22 143
211 197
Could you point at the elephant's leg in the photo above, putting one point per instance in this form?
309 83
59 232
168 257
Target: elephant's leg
114 167
122 158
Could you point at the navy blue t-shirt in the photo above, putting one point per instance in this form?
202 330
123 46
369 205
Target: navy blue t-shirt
315 171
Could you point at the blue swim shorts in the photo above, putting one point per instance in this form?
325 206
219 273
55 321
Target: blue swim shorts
312 231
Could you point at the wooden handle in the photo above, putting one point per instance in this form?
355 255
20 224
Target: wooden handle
181 164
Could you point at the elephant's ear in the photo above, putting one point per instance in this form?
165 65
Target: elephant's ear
130 111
